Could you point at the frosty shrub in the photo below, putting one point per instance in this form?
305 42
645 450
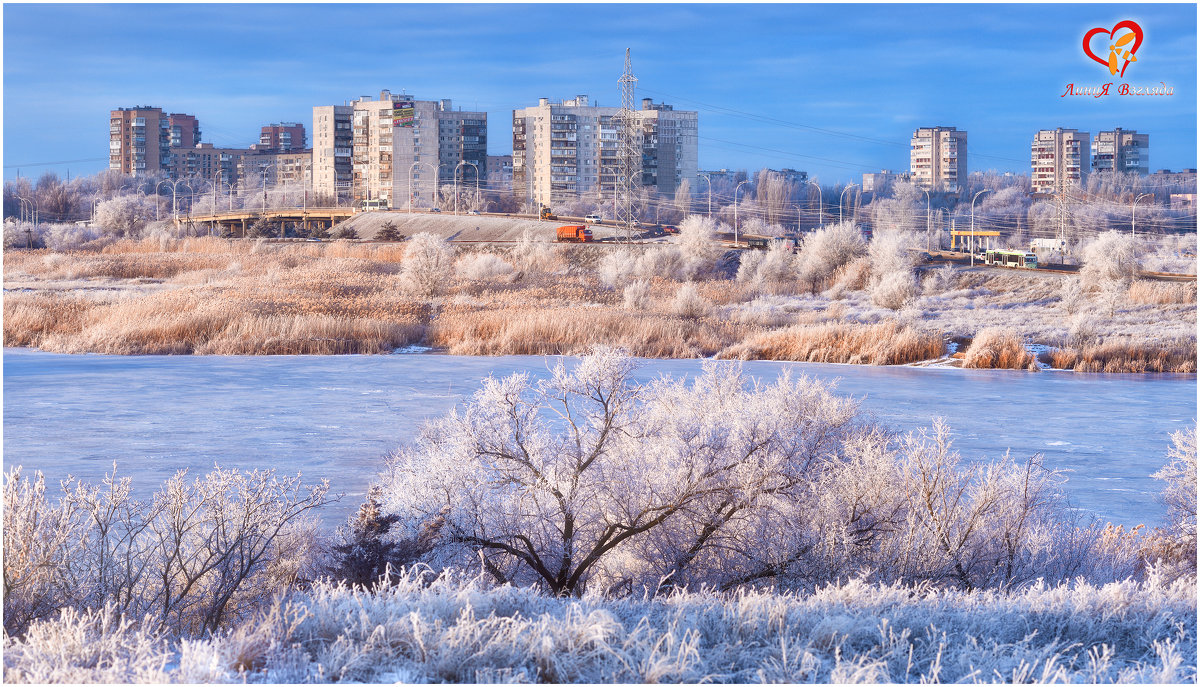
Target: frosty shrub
688 302
772 270
894 289
533 252
668 262
1180 492
1071 296
889 253
482 266
126 215
588 480
616 268
389 232
1082 331
1110 257
427 264
23 234
698 241
364 556
825 250
938 281
199 555
637 295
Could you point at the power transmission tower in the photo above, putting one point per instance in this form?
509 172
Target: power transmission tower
629 154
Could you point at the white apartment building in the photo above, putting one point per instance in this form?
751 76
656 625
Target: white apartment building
938 158
1060 159
564 150
1122 151
396 150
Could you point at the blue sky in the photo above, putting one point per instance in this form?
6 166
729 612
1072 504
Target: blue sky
835 90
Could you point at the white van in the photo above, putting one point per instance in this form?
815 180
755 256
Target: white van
592 219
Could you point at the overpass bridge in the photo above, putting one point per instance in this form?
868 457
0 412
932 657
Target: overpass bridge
239 221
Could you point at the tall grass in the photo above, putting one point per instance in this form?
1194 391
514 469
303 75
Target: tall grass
884 343
456 629
1128 356
995 348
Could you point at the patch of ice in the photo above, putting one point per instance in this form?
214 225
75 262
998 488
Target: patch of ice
412 348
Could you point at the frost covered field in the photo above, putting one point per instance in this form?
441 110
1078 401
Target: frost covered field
458 630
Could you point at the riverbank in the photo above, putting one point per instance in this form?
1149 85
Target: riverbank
223 297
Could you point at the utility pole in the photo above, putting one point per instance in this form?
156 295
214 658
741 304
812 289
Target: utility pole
629 154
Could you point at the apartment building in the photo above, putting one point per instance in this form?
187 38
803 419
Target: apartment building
139 140
283 168
1060 159
881 181
500 172
397 149
333 141
285 137
1186 177
208 162
938 158
567 149
183 130
1122 151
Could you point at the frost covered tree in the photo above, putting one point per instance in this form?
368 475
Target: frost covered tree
1111 257
827 249
428 262
588 480
126 215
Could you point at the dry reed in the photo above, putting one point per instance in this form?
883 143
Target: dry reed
1128 356
885 343
995 348
1144 292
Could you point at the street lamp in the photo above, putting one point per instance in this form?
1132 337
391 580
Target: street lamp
706 178
820 204
437 175
841 200
460 164
980 193
735 211
798 211
1133 224
926 192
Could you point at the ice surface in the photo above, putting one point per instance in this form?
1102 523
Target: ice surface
336 416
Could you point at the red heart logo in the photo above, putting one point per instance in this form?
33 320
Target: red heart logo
1111 61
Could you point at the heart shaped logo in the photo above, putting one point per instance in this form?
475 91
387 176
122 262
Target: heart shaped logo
1119 49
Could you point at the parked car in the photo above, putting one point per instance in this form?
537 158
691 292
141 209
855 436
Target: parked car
473 212
436 210
592 219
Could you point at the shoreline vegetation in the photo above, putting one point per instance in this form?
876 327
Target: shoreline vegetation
838 301
678 530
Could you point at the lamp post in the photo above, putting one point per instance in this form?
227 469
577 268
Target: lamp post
735 211
28 213
798 211
980 193
841 200
926 219
1133 224
410 185
820 204
437 173
460 164
709 180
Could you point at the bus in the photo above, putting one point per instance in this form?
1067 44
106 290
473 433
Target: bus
1011 258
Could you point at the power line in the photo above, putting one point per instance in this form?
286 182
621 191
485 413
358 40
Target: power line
57 162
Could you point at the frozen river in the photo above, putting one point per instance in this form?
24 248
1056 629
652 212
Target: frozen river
335 417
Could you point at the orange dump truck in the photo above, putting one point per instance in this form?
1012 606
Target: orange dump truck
576 233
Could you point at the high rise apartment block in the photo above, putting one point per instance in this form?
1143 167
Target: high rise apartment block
1060 159
396 150
284 137
938 158
1121 151
205 161
183 130
139 140
563 150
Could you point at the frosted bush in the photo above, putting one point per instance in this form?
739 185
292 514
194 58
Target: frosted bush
637 295
616 268
1071 296
482 266
826 250
688 302
427 264
533 252
126 215
894 289
773 269
889 253
1110 257
1180 477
